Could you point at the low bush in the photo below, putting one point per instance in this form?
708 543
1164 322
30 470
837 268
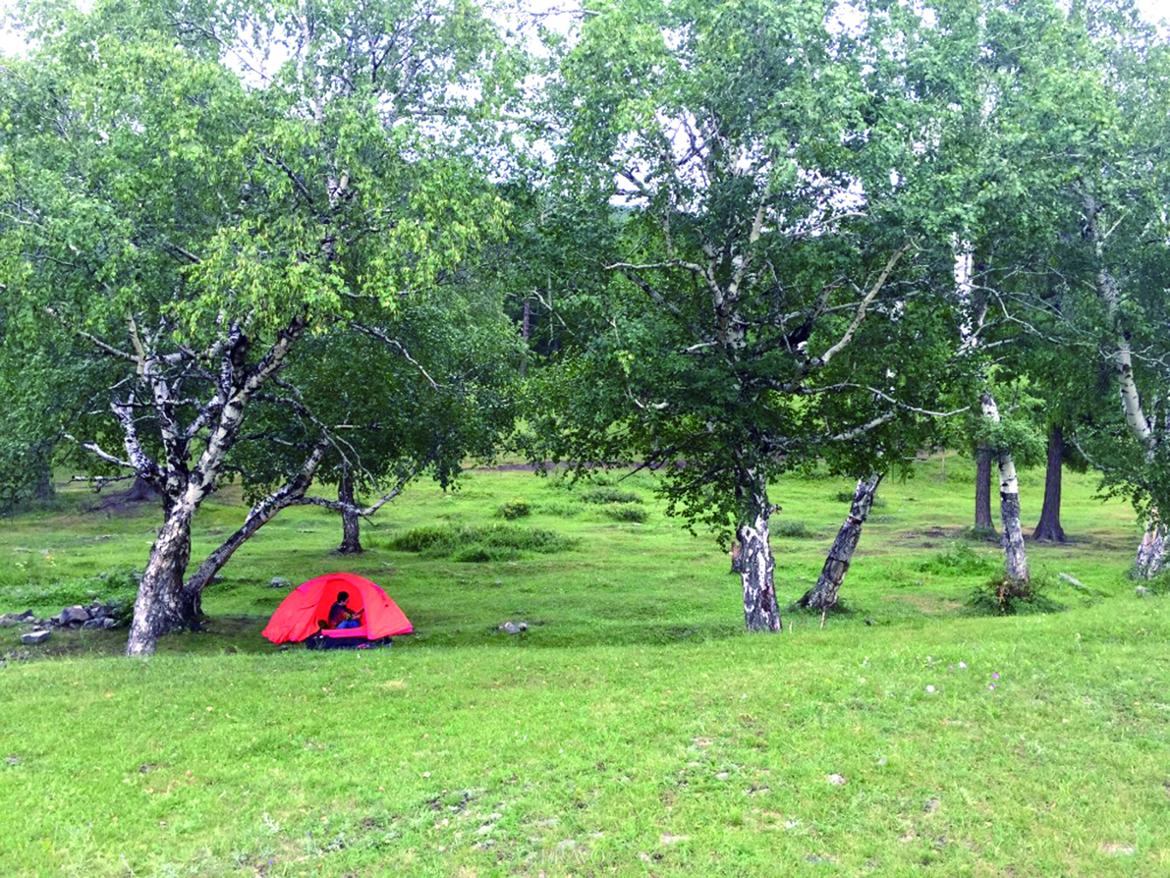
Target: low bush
626 512
610 495
515 508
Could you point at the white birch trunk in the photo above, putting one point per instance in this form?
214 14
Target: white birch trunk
758 565
1151 553
1015 557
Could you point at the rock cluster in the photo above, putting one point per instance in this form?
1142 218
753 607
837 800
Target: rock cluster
94 615
511 627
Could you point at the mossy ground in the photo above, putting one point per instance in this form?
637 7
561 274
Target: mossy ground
633 729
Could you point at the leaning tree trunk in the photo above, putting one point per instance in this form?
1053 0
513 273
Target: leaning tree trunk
1151 553
162 605
1049 529
260 514
351 539
1015 556
823 595
758 565
983 520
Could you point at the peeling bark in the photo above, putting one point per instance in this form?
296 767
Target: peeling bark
1015 556
161 605
760 610
351 541
1048 529
823 595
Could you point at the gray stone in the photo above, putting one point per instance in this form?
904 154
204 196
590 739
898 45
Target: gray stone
34 637
1141 591
101 623
511 627
10 620
279 582
73 616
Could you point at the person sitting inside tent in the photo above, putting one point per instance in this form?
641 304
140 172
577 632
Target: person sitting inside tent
341 616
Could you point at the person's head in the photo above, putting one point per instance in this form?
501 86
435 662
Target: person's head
343 596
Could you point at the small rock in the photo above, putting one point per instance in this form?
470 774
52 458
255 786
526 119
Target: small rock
837 780
723 775
73 616
931 805
12 760
279 582
35 637
511 627
930 690
868 620
1141 591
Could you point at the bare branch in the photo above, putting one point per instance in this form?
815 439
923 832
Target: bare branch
847 337
374 332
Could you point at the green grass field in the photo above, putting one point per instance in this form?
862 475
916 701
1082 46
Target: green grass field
632 730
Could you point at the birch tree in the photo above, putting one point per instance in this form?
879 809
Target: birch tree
180 214
757 260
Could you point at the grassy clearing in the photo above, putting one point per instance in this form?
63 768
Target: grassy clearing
632 730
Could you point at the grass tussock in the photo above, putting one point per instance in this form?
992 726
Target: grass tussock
515 508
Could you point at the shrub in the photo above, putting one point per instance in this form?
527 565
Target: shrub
794 529
515 508
610 495
626 512
1002 597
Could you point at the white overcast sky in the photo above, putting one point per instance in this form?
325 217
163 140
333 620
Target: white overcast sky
11 43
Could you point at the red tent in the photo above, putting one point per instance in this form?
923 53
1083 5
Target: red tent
300 615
